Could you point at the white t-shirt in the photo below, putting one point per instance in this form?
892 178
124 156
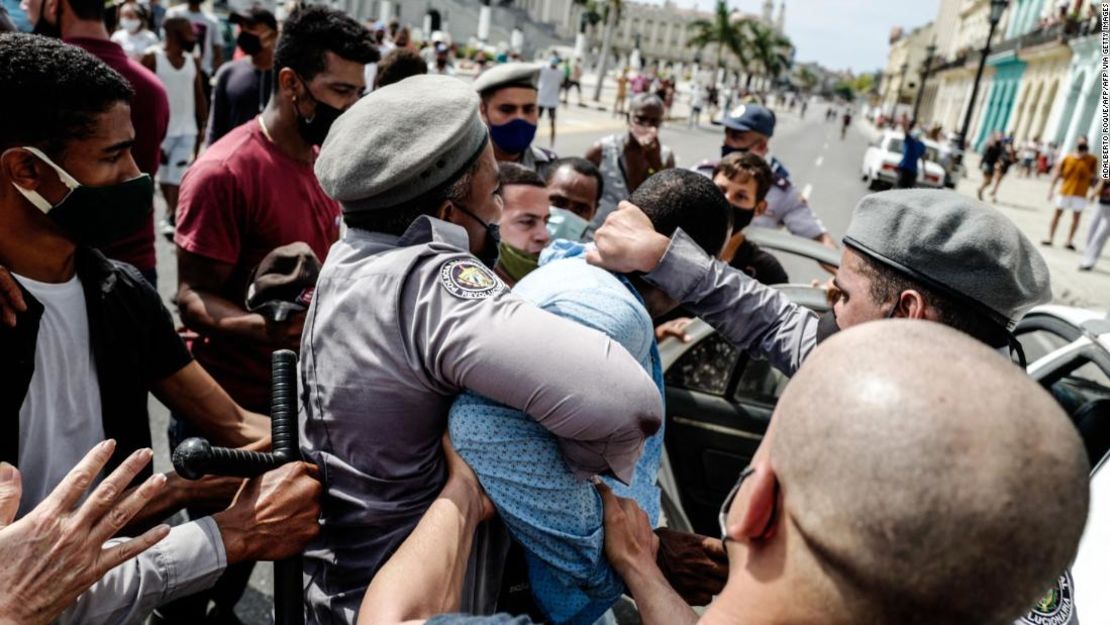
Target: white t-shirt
208 32
551 79
135 44
60 420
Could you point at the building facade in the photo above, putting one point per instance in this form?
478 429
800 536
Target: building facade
903 72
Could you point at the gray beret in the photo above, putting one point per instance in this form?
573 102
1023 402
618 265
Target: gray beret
955 245
508 75
400 142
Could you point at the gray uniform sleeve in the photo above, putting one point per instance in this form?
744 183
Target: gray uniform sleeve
750 315
576 382
794 212
189 560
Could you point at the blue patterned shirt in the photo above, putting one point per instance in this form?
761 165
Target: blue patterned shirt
557 517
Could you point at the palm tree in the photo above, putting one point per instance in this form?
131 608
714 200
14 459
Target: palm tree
612 18
769 49
722 30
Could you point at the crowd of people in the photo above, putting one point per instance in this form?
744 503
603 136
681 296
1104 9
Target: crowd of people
480 386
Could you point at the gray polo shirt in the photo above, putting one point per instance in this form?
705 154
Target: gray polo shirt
397 328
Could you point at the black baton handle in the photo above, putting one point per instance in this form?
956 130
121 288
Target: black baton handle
195 458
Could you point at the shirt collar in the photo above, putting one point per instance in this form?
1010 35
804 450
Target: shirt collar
427 229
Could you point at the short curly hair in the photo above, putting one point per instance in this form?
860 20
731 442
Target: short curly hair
309 33
56 91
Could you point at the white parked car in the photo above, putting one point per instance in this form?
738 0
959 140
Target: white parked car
880 164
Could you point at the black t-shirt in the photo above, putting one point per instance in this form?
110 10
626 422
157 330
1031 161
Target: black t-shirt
241 92
758 264
993 153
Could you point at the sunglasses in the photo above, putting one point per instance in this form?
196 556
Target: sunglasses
722 517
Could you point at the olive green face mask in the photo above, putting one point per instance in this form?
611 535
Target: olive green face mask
516 263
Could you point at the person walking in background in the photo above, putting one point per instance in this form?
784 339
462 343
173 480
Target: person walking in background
551 80
180 74
134 34
1006 160
243 86
209 48
913 148
1077 171
992 154
1029 153
697 103
1100 227
622 93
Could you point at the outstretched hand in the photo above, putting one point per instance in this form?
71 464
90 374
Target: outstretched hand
56 551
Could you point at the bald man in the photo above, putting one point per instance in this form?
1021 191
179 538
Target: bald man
936 484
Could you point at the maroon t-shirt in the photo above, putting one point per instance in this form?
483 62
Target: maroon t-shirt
150 115
241 199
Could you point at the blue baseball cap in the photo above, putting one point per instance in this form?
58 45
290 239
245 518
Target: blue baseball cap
745 117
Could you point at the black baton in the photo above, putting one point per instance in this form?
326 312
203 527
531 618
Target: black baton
195 458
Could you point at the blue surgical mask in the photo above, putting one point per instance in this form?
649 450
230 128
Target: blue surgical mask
513 137
563 224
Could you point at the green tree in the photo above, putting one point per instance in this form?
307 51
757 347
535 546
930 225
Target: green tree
806 79
769 50
722 31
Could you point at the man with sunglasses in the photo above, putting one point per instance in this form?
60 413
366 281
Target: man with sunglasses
898 501
749 128
627 159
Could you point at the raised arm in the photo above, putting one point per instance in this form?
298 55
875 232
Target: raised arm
748 314
576 382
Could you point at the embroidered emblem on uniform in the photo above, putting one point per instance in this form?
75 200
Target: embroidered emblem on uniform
469 279
738 111
1056 607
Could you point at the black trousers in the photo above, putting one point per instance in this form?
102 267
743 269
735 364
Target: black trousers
907 179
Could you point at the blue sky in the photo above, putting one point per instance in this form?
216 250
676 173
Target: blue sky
840 34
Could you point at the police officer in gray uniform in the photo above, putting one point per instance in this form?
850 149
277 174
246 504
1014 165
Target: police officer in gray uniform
915 253
509 107
749 127
405 317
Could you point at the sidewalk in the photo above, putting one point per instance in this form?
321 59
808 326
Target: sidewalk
1025 201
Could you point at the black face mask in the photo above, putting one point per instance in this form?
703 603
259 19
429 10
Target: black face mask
189 46
249 43
315 129
741 217
45 28
490 251
95 216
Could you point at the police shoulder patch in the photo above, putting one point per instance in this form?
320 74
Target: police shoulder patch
1056 607
466 278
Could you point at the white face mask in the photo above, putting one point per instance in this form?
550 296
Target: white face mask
130 24
563 224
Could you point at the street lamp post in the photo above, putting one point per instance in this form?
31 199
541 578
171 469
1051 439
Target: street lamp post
929 52
997 7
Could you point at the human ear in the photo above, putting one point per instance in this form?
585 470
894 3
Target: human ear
756 520
760 207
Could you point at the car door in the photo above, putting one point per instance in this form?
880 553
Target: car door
1077 375
713 428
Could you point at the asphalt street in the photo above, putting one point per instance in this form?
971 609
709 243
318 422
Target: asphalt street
821 164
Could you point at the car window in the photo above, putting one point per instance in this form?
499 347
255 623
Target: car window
760 382
705 367
932 155
1039 343
1078 384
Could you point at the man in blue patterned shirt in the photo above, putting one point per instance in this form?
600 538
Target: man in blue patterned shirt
553 512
